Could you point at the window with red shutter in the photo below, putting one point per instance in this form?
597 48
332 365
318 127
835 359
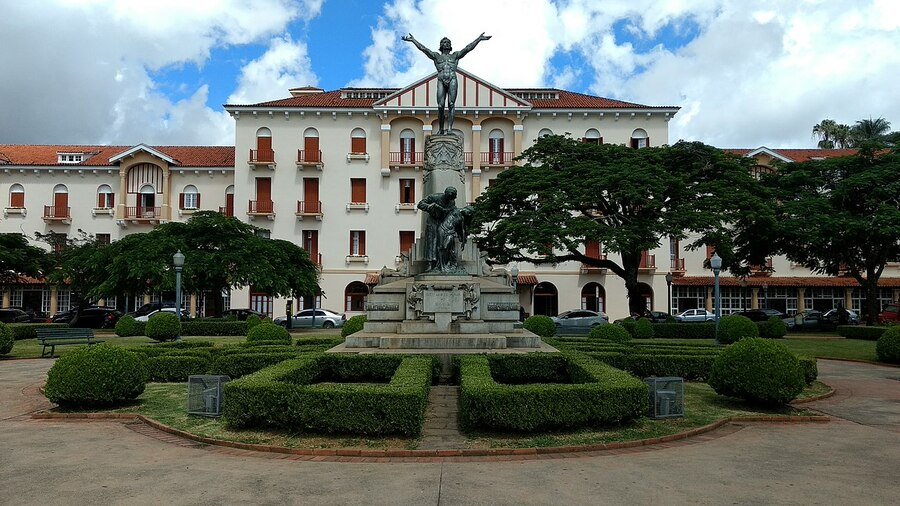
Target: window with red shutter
358 190
358 141
407 191
407 238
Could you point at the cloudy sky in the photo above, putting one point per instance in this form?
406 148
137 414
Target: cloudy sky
746 73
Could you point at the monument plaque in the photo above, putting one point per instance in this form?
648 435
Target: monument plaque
443 301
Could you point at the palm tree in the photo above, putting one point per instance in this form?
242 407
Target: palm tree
841 136
870 130
824 131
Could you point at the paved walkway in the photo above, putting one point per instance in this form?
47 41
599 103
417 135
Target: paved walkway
441 428
848 461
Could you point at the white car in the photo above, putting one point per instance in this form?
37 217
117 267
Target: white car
696 315
184 314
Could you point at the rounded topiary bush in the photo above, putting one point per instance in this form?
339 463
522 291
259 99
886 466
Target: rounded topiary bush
353 325
127 326
615 333
540 325
758 370
777 328
888 346
628 324
735 327
643 329
99 375
6 339
252 321
163 326
267 331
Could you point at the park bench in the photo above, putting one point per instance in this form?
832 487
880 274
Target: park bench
53 337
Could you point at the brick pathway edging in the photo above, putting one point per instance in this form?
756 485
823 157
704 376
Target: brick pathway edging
358 455
815 397
860 361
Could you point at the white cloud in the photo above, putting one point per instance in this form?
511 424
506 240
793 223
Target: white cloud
79 71
285 65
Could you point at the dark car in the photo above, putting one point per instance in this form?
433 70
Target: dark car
93 317
811 319
151 307
241 314
834 316
35 316
653 316
12 315
763 315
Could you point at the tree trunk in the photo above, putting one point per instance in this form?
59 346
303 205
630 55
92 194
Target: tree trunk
630 263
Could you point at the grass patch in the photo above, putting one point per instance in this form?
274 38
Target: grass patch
816 389
832 348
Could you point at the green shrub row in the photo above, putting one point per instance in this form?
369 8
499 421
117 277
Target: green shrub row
26 330
6 339
704 330
175 368
242 364
213 328
599 394
613 333
642 365
861 332
290 396
320 340
887 349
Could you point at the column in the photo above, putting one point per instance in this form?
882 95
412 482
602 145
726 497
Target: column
476 162
709 298
385 148
801 300
517 139
6 296
146 298
848 298
754 297
193 305
165 211
54 300
123 195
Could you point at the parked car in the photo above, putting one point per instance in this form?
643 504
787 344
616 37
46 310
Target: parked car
13 315
150 307
653 316
763 315
834 316
323 318
184 314
241 314
695 315
579 319
811 319
890 313
92 317
35 315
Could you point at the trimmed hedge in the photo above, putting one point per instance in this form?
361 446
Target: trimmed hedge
775 328
163 326
99 375
267 331
733 328
213 328
26 330
612 333
290 395
688 366
175 367
127 326
353 325
681 330
861 332
643 329
887 349
252 321
541 325
320 341
599 394
810 369
242 364
6 339
758 370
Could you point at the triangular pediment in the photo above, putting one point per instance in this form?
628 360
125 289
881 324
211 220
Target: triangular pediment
142 148
473 92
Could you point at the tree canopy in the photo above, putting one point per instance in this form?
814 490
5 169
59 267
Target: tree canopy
832 134
19 258
627 199
841 215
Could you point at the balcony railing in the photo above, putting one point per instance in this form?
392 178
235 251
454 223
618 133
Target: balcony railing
226 210
57 213
467 158
498 158
262 156
762 270
143 213
409 158
593 269
309 208
676 264
261 207
648 262
309 158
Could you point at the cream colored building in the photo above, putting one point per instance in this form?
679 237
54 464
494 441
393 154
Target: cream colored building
339 173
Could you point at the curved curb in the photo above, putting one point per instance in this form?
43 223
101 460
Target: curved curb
860 361
815 397
359 455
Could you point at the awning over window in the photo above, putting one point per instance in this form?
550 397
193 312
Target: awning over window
372 278
527 279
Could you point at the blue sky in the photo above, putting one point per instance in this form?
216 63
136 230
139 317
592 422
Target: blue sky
746 74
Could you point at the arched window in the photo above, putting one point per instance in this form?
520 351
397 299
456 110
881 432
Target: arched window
147 202
17 196
592 136
495 147
545 132
407 146
229 202
640 139
311 152
647 294
546 299
106 199
60 208
593 297
355 296
264 152
358 141
189 198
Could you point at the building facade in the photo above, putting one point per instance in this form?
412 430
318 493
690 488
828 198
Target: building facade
340 172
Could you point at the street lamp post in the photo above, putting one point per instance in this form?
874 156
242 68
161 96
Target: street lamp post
178 260
765 288
716 263
669 290
743 294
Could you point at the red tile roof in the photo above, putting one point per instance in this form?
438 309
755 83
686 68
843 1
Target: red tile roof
566 100
186 156
791 281
798 155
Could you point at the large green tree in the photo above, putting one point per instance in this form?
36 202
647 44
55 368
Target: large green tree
79 263
220 252
19 258
841 215
570 192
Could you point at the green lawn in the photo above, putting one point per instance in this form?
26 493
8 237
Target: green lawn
30 348
810 347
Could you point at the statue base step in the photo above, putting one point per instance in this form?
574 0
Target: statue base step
487 341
